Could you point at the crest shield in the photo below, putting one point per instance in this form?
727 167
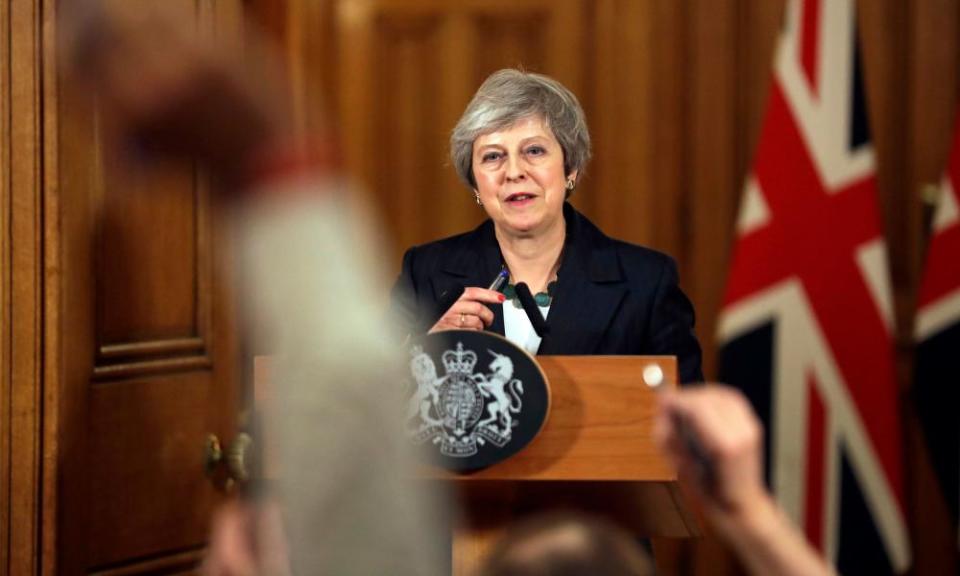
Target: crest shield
475 398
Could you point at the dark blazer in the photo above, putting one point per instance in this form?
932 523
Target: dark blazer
611 297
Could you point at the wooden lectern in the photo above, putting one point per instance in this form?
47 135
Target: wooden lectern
595 453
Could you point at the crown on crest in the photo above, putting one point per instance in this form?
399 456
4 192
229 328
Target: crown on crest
460 360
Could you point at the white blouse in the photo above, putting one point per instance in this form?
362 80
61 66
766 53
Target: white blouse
518 329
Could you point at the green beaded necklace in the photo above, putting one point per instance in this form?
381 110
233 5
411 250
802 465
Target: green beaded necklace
542 299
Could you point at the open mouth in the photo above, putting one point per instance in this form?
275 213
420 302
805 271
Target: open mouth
520 197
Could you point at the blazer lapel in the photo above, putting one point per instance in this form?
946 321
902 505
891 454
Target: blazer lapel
590 289
475 262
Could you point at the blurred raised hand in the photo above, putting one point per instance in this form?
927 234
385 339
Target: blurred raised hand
735 499
165 90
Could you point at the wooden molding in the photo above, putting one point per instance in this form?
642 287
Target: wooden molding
23 94
183 562
135 359
151 348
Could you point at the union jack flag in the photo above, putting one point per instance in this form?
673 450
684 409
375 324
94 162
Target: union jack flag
936 389
806 328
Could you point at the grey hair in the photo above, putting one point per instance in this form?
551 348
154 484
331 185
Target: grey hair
509 96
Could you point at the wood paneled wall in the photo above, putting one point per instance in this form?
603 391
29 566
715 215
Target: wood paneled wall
117 346
149 353
22 287
674 93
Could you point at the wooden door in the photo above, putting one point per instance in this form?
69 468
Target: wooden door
148 346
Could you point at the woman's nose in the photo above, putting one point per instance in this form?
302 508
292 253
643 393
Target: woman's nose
515 168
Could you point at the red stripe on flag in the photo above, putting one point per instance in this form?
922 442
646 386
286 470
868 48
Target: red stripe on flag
810 45
816 450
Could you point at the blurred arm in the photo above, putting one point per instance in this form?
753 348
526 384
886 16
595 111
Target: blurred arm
309 284
736 503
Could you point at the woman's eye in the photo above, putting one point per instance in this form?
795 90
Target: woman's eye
536 151
490 157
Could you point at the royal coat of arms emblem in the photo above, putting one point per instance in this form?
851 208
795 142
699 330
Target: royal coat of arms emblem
473 398
462 408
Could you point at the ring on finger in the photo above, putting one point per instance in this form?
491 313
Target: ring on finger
463 319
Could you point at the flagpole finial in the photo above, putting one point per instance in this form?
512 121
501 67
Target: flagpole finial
930 194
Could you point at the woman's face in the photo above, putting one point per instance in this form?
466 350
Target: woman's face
520 179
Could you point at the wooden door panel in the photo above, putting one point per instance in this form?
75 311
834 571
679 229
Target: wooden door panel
407 107
150 351
152 253
144 466
147 260
153 395
156 375
515 40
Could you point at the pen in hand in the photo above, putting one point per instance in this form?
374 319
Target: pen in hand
501 278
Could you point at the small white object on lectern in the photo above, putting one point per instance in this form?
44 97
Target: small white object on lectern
653 376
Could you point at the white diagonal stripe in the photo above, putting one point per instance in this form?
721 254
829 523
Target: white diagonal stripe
872 260
938 315
824 119
947 213
754 212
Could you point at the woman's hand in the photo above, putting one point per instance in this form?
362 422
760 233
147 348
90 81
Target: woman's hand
469 312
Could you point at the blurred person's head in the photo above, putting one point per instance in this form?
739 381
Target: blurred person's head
567 544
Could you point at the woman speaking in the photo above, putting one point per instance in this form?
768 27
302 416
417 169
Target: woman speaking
520 146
